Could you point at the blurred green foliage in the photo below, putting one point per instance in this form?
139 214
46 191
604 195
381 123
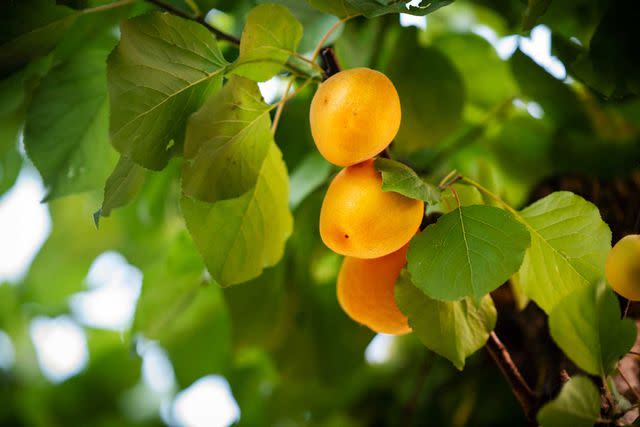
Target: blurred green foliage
290 354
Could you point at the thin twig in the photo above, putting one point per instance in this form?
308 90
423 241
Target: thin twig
519 386
626 309
633 390
324 38
109 6
276 117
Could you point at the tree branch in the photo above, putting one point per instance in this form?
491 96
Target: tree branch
198 18
519 386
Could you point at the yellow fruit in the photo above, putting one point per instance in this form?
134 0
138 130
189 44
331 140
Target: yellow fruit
623 267
358 219
365 292
354 115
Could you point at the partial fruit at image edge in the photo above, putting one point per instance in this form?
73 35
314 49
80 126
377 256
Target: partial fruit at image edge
623 267
366 292
360 220
355 114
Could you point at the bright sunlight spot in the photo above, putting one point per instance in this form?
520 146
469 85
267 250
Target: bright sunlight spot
407 20
206 403
157 371
504 46
538 48
379 350
24 225
115 288
7 353
272 89
533 108
61 347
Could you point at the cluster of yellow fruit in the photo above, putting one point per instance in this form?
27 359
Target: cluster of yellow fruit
355 115
623 267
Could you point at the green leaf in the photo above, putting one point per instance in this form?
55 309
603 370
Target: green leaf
577 405
185 314
266 299
27 34
373 8
402 179
557 99
453 329
270 36
226 144
122 186
161 71
315 23
487 78
310 174
560 259
10 158
587 326
339 8
432 93
468 252
239 237
66 131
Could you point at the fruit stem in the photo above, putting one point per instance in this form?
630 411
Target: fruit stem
331 65
519 386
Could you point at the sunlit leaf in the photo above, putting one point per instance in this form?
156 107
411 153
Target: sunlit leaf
468 253
227 142
161 71
270 36
560 259
66 131
239 237
587 326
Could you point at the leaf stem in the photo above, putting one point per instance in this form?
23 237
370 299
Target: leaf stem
501 356
491 195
